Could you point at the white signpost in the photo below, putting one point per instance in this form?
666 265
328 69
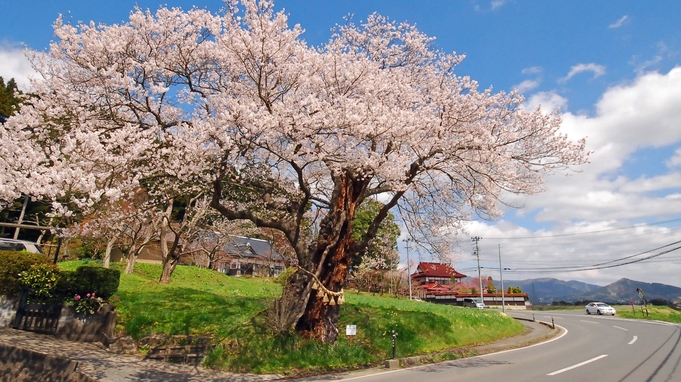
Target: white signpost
351 331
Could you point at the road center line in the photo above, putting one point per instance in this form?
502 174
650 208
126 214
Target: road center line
590 322
633 340
578 365
617 327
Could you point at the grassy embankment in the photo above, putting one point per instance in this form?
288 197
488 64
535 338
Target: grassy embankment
659 313
203 302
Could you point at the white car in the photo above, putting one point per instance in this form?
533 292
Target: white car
599 308
19 245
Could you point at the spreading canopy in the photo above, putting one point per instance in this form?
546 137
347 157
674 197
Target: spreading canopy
289 136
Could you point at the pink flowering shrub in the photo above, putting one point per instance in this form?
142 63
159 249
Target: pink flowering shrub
87 305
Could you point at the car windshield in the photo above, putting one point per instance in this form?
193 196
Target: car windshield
603 305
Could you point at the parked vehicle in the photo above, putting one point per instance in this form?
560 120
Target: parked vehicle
473 303
599 308
19 245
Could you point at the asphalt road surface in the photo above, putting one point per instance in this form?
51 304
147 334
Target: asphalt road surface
593 348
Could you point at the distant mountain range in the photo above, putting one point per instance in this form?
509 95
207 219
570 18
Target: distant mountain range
623 291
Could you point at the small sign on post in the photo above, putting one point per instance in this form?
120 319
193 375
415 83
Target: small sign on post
645 302
350 331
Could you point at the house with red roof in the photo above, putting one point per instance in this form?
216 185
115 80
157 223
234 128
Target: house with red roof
437 283
442 274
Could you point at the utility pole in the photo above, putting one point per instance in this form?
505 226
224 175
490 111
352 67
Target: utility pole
408 267
501 276
477 253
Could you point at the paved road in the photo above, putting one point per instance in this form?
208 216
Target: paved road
593 348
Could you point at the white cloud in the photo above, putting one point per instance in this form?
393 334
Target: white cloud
644 113
532 70
547 101
652 63
619 22
527 85
496 4
675 161
597 70
600 214
13 64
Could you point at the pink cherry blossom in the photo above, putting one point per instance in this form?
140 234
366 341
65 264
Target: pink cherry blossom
291 137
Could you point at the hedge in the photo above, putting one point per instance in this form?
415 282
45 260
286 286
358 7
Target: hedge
11 264
102 281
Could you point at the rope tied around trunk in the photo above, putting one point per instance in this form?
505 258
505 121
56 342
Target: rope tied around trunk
328 296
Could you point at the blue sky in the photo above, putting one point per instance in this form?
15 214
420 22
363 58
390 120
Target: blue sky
613 68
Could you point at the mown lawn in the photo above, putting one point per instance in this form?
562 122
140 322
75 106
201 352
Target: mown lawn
232 311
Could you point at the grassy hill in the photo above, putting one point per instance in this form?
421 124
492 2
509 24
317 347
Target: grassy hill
233 311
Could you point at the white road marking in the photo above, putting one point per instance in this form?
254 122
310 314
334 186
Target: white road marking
565 332
590 322
633 340
578 365
617 327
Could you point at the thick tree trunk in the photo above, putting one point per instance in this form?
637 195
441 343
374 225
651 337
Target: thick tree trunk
130 267
331 259
169 265
320 319
107 254
290 307
133 251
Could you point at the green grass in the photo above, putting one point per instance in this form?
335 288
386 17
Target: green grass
659 313
231 310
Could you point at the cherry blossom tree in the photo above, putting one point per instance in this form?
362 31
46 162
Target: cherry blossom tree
177 237
291 137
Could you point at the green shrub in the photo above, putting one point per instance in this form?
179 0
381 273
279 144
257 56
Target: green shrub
41 279
12 263
85 280
283 277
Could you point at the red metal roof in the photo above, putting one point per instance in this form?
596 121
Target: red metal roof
434 287
437 270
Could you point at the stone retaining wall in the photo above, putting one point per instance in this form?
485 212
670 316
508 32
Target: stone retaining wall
8 307
21 365
71 326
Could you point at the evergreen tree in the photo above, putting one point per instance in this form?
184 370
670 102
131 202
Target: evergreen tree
8 97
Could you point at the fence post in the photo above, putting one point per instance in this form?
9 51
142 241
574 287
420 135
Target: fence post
21 307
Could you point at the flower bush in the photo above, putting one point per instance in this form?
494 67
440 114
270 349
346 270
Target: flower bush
87 305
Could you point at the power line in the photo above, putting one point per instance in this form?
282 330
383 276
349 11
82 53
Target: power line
584 233
593 267
641 253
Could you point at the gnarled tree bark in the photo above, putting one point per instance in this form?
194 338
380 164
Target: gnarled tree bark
331 255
